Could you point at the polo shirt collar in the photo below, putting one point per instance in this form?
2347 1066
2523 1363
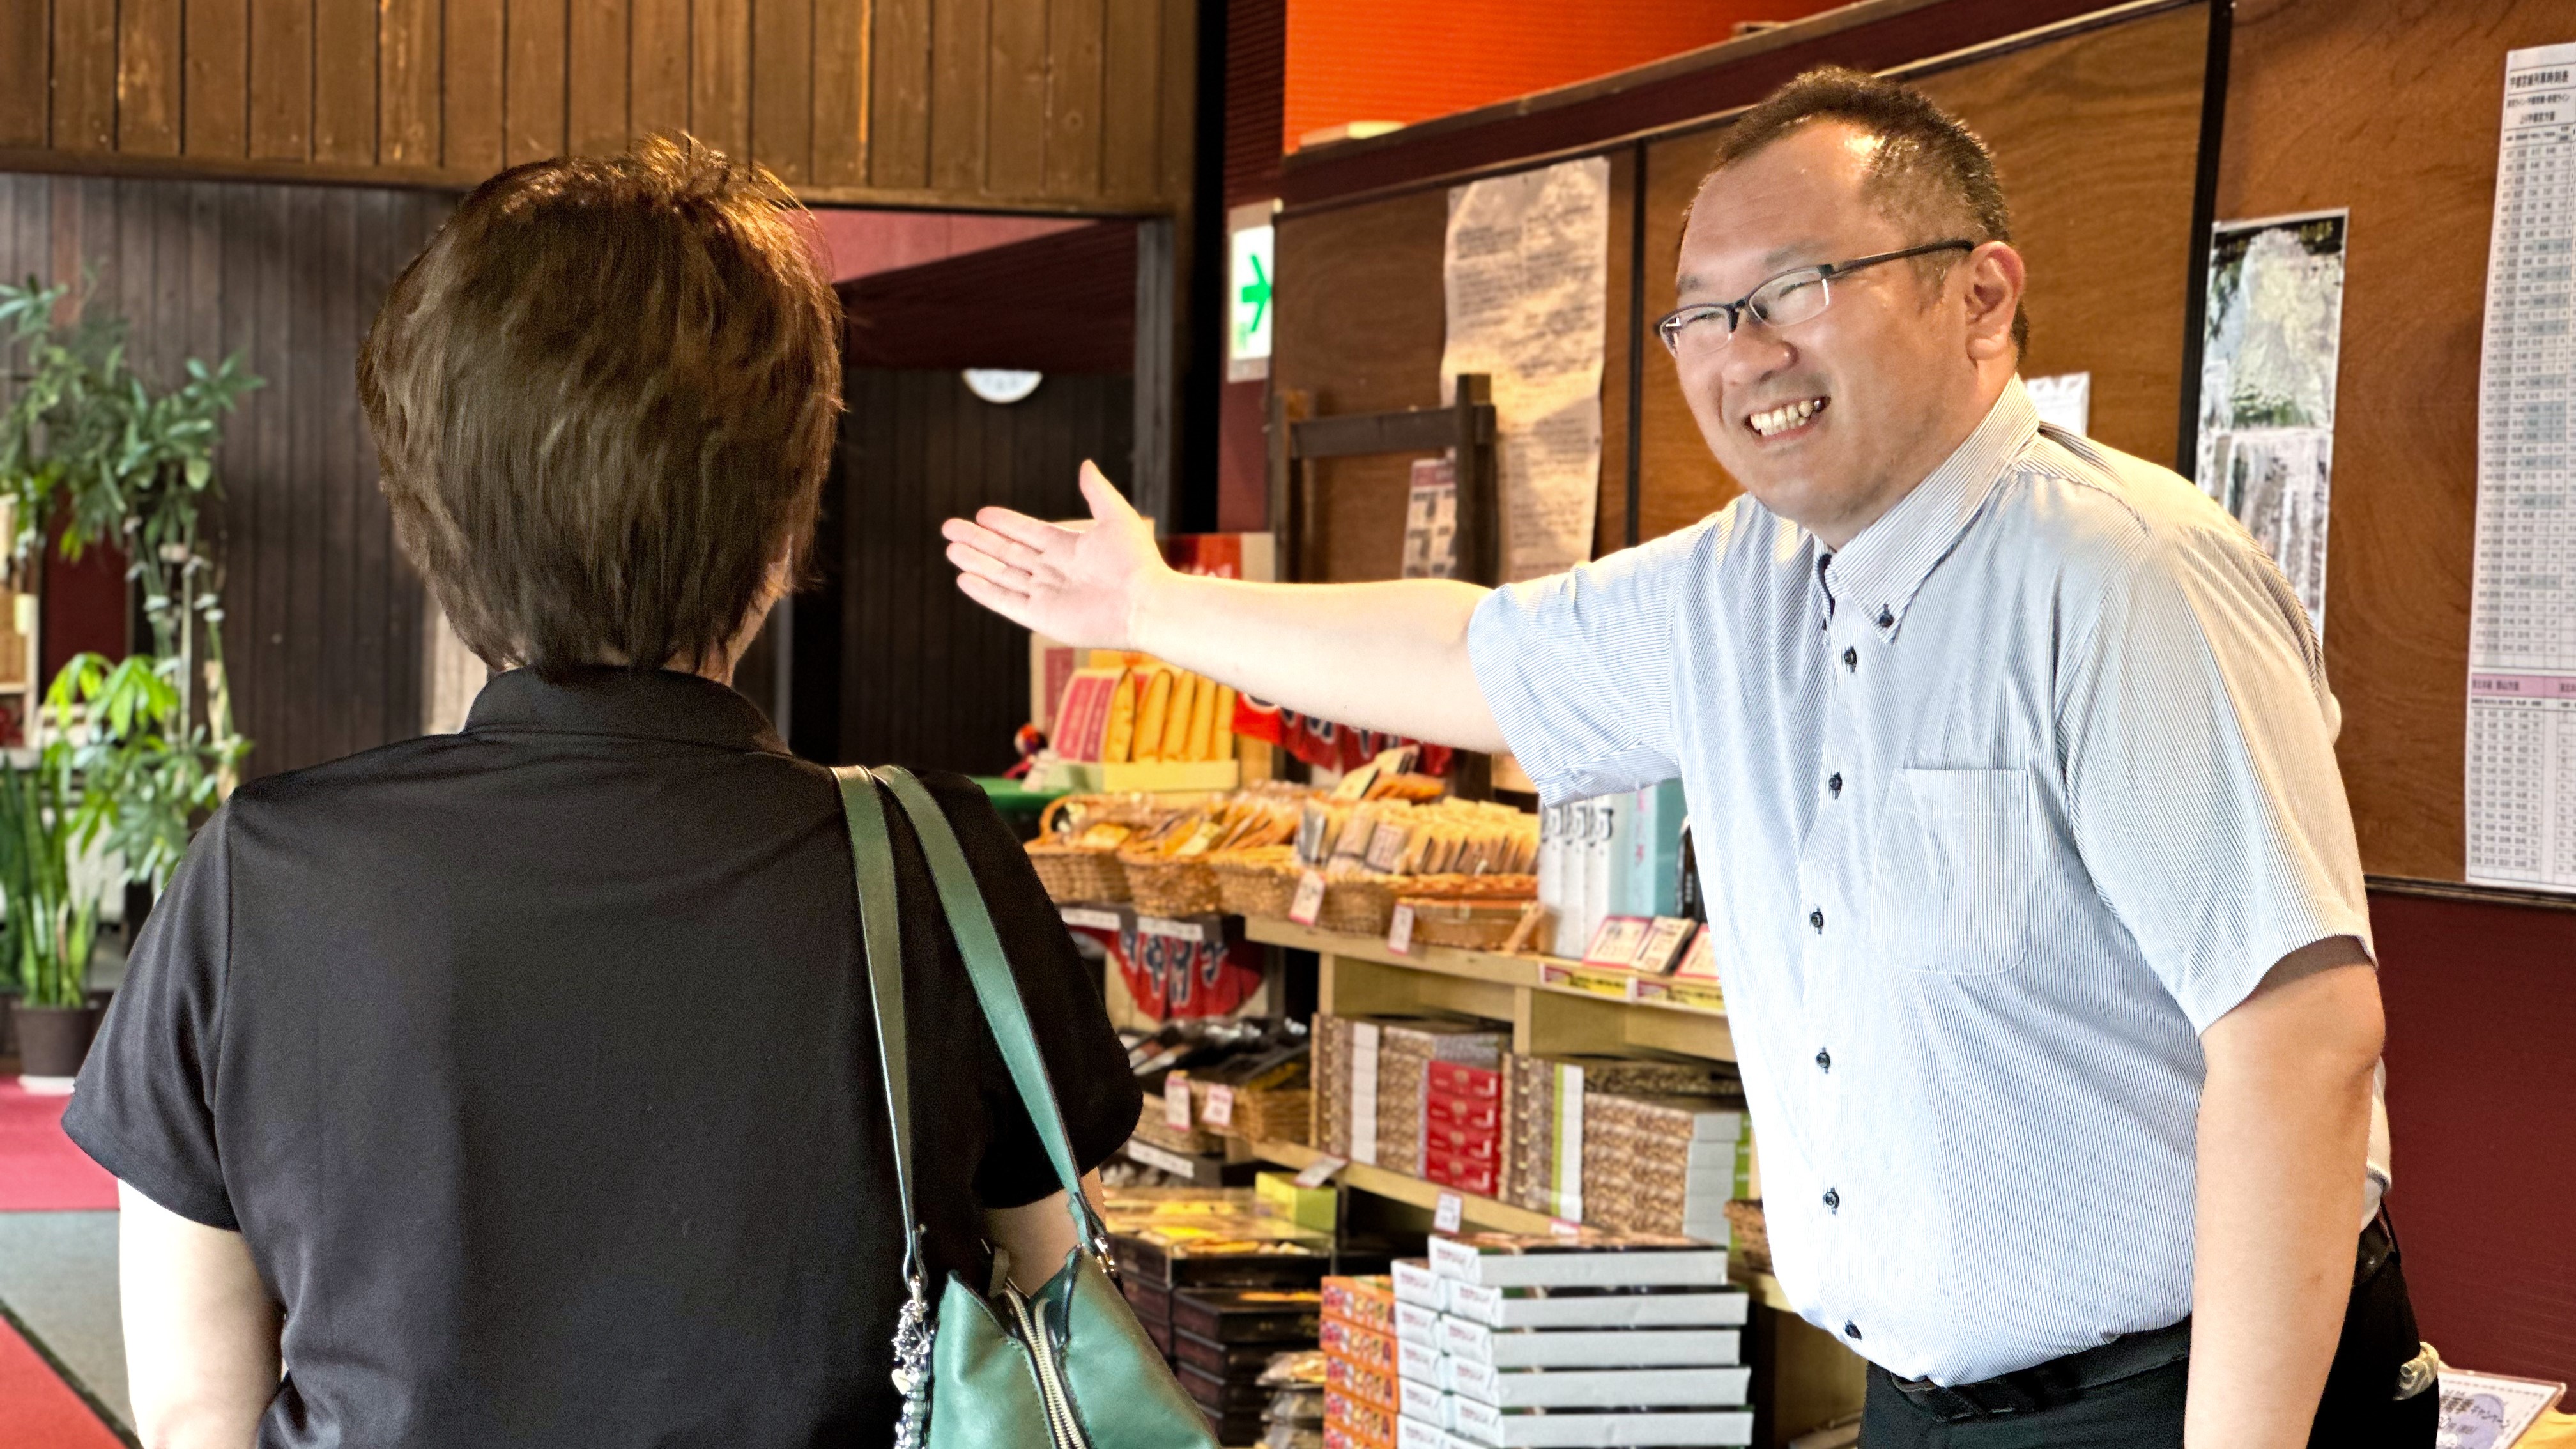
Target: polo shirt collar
1876 575
656 704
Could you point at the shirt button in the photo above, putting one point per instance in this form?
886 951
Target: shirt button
1851 659
1833 1201
1824 1060
1836 785
1851 1330
1817 919
1886 617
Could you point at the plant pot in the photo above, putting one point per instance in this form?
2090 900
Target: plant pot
52 1040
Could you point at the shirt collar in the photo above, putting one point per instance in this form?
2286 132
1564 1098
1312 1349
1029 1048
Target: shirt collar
1878 573
639 703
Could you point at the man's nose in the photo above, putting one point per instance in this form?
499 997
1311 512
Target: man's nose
1755 353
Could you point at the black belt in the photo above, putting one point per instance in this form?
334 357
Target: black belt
2063 1380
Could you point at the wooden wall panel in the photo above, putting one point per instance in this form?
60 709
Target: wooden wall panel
1072 106
323 619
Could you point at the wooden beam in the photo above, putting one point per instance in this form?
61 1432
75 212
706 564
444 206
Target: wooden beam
658 68
533 119
470 132
720 74
215 92
411 79
147 77
782 88
281 80
841 92
344 84
595 107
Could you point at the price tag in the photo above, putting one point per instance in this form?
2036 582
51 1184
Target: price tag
1321 1170
1309 903
1399 932
1190 931
1448 1213
1090 918
1219 1105
1565 1228
1176 1102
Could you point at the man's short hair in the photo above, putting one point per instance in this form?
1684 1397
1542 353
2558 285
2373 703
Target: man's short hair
1931 172
604 399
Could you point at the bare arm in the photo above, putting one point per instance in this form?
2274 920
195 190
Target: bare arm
2284 1128
1385 656
1037 1236
200 1329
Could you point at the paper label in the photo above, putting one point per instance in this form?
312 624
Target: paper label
1309 903
1090 918
1219 1107
1364 1039
1139 1150
1176 1102
1320 1171
1449 1213
1190 931
1399 931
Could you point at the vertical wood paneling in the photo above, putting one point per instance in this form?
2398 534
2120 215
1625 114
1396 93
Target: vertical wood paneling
308 459
281 80
85 75
147 77
215 83
659 69
470 131
409 80
960 54
596 100
782 88
1131 59
841 92
1179 94
534 81
1074 36
341 614
720 74
344 82
1015 145
899 101
26 60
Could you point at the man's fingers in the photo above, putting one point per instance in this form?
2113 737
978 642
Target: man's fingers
1017 527
1011 606
963 535
972 560
1107 503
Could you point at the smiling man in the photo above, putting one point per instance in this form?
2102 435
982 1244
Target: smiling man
2040 916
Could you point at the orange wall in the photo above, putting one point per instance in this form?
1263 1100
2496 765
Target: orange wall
1411 60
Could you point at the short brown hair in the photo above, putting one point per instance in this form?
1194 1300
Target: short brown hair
1930 170
604 400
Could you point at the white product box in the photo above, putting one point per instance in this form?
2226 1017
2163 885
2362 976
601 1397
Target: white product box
1418 1361
1417 1324
1540 1308
1416 1283
1600 1388
1501 1261
1474 1342
1424 1401
1508 1429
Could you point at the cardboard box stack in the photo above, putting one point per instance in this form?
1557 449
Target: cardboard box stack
1373 1082
1221 1288
1546 1123
1358 1334
1590 1339
1462 1127
1223 1339
1663 1164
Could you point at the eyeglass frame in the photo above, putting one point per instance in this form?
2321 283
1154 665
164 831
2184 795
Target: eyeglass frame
1666 326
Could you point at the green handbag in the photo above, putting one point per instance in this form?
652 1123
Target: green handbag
1068 1366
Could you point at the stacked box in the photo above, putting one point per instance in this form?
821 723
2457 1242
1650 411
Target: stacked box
1664 1164
1544 1149
1462 1127
1222 1340
1591 1338
1406 1052
1331 1131
1358 1334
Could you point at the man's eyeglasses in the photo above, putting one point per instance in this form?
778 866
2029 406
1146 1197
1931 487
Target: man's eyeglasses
1788 298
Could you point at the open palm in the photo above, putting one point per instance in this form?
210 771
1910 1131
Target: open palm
1075 582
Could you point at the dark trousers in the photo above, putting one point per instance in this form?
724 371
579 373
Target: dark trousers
2145 1411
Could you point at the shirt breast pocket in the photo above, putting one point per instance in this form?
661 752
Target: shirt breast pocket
1954 871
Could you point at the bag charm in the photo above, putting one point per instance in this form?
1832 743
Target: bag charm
912 1332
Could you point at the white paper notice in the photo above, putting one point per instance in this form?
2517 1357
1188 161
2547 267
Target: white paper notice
2522 630
1527 268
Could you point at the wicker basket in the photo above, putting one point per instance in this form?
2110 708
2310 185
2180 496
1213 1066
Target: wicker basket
1473 925
1169 886
1071 873
1270 1114
1361 905
1258 882
1752 1238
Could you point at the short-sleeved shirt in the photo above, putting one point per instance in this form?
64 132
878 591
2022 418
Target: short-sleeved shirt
534 1064
1995 809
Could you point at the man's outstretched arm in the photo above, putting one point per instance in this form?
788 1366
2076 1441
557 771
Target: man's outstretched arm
1385 656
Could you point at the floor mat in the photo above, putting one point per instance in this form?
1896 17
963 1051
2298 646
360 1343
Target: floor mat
37 1409
58 1284
40 1168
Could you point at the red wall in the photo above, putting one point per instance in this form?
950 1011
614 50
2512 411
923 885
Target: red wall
2482 1115
1411 60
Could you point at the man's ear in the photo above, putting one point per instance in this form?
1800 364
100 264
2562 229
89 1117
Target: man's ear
1995 279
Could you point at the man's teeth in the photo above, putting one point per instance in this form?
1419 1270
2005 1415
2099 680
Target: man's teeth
1785 416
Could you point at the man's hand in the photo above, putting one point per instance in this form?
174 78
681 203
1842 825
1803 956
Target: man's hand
1079 584
2284 1130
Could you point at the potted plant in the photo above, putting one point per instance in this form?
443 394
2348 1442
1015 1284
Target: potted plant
92 452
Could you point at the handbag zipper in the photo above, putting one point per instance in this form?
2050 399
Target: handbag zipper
1061 1424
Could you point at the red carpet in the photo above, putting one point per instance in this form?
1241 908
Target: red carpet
41 1171
37 1409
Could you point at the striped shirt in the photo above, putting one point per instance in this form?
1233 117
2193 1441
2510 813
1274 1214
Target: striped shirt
1997 808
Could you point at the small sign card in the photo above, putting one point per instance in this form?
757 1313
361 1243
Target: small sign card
1309 903
1176 1102
1615 941
1399 931
1219 1108
1321 1170
1090 918
1664 944
1190 931
1448 1213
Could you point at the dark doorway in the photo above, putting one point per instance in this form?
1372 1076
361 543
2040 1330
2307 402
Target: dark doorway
890 664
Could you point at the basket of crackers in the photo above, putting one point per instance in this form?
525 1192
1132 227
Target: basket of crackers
1172 870
1079 836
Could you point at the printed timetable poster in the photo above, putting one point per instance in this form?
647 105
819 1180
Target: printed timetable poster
2522 621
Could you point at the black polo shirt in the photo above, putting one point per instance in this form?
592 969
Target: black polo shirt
534 1065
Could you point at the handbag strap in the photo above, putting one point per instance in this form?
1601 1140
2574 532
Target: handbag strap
881 933
997 991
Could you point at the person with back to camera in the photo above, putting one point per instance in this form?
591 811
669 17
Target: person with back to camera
519 1086
2011 762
